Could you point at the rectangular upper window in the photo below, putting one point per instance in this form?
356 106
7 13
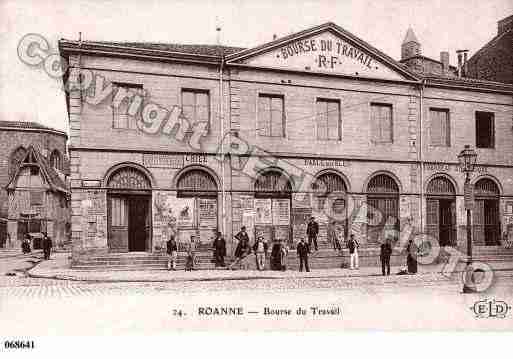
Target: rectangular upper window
36 198
271 117
196 107
328 120
382 123
122 96
485 130
440 129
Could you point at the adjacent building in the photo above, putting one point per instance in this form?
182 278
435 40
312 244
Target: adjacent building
34 193
182 139
494 61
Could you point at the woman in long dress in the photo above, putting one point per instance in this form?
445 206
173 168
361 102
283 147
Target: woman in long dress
411 258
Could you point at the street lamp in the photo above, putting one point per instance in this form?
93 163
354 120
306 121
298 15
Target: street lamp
467 159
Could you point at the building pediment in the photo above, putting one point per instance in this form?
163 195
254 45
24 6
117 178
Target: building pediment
323 49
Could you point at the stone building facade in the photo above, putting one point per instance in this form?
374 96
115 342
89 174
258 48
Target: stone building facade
182 139
494 61
42 205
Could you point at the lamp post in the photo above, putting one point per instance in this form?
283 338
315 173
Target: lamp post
467 159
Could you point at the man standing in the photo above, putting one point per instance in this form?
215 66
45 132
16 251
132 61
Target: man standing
191 255
353 245
172 253
312 230
260 249
47 246
219 249
384 256
302 252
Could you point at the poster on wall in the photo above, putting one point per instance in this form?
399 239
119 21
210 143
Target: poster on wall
281 211
246 202
301 200
320 209
265 231
281 233
172 211
300 218
263 213
207 212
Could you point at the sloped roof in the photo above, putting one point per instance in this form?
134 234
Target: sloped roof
49 174
329 26
196 49
27 125
410 37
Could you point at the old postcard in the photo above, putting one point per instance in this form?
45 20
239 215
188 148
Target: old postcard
255 166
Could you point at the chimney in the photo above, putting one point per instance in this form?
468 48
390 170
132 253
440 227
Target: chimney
462 62
465 63
275 37
444 59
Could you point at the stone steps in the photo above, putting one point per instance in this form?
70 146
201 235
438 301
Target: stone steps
325 258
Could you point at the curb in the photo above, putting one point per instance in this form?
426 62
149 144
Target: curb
178 280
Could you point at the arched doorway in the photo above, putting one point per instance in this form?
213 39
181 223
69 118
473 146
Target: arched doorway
273 193
197 199
441 210
330 195
129 210
383 208
486 213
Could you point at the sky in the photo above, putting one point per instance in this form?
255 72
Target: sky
28 94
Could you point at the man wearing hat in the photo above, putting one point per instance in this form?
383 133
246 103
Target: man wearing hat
312 230
47 246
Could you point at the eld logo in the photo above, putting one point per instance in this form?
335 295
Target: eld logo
490 308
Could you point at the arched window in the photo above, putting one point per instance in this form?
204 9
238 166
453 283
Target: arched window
485 187
441 186
56 160
273 183
197 180
328 183
128 178
16 156
382 184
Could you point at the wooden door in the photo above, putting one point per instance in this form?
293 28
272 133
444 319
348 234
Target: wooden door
478 222
432 218
382 218
491 222
118 223
137 224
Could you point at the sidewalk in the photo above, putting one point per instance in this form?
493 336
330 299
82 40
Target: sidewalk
58 267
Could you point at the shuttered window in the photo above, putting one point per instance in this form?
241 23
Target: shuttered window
440 127
196 107
485 130
122 97
271 119
328 119
382 123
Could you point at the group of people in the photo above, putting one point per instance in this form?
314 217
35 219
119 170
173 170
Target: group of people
280 250
46 244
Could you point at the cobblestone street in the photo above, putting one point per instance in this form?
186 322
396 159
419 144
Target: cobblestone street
49 306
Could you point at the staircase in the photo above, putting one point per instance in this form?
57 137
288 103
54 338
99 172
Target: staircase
324 258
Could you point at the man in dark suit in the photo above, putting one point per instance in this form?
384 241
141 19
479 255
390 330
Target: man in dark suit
312 230
384 256
302 252
172 253
47 246
219 248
